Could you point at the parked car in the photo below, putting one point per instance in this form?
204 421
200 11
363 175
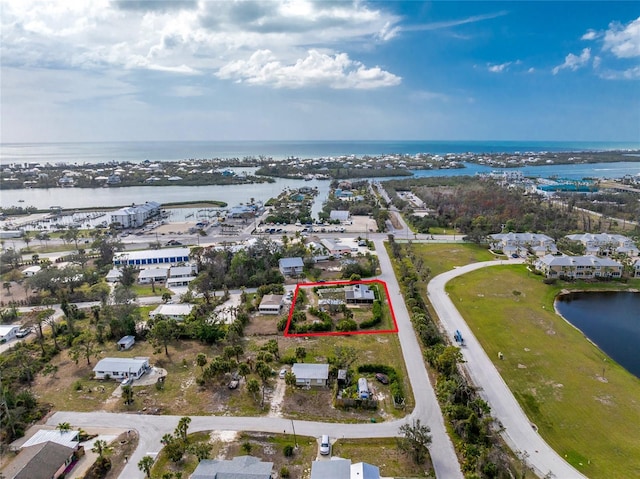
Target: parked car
233 384
383 378
23 332
282 373
325 445
127 382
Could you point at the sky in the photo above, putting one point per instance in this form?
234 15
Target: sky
112 70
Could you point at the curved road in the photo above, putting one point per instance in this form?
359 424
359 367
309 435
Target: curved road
518 432
152 428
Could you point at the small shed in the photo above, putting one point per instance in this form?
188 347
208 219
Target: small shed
31 271
126 343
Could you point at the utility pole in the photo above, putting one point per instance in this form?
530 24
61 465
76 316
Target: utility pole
295 440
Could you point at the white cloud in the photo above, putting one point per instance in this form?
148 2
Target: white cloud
596 62
573 62
623 40
589 35
190 37
336 71
628 74
498 68
531 70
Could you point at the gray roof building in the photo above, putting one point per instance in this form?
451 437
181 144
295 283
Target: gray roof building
333 469
42 461
242 467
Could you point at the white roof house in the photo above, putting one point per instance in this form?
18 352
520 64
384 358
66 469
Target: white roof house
66 438
113 276
308 374
359 293
241 467
151 256
150 275
134 216
182 271
173 311
517 243
120 368
604 244
338 468
636 269
334 247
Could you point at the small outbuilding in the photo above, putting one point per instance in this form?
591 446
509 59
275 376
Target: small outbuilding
126 343
31 271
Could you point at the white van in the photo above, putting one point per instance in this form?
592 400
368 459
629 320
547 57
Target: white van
325 445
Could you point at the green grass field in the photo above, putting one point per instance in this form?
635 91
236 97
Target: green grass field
585 405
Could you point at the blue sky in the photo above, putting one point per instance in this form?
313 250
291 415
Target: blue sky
301 70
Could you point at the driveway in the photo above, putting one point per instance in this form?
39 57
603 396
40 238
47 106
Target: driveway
518 431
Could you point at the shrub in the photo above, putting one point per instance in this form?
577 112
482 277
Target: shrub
347 325
284 472
288 450
77 386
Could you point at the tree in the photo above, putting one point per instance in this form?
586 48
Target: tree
415 440
101 448
253 386
63 427
201 360
202 450
301 353
127 394
7 285
163 332
145 465
84 345
290 379
244 370
182 428
166 296
128 275
272 347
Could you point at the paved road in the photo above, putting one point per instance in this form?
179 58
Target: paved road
152 428
518 432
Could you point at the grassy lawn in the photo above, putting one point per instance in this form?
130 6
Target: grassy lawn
148 290
556 374
383 453
441 257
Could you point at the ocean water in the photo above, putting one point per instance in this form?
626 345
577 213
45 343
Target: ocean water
178 150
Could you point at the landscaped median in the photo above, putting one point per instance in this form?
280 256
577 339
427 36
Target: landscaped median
584 405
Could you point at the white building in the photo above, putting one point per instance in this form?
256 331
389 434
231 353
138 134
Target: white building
520 243
65 438
167 256
136 215
605 244
31 271
126 342
271 304
153 275
359 293
121 368
172 311
578 267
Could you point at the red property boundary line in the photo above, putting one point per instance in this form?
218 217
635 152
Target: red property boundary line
340 333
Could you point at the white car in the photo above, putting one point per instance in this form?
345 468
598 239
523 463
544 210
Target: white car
325 445
282 373
127 382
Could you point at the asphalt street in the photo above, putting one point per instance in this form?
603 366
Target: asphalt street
518 432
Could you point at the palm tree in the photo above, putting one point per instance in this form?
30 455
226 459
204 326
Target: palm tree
63 427
145 465
102 449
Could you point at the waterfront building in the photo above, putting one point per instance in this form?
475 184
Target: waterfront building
578 267
136 215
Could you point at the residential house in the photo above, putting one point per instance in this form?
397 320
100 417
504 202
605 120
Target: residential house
291 266
520 243
578 267
121 368
359 293
242 467
47 460
636 269
172 311
181 275
69 439
126 342
271 304
153 275
605 244
113 276
338 468
308 374
335 248
172 256
8 332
